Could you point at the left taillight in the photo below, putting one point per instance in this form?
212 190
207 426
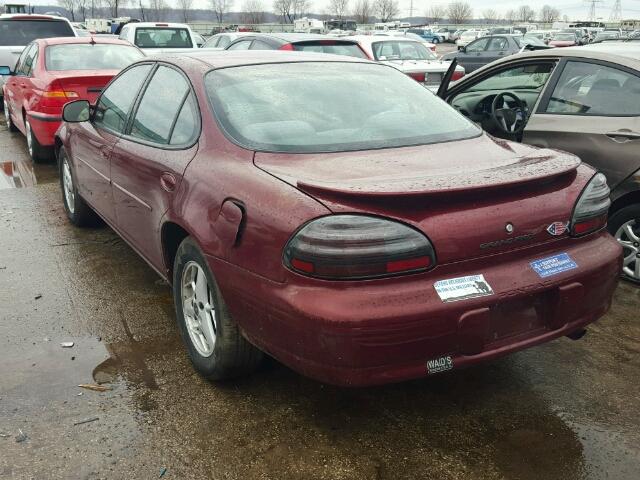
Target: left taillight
457 75
591 210
55 96
351 247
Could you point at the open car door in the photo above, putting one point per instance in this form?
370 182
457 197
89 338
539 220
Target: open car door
446 80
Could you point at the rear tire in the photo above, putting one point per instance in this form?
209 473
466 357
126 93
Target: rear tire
624 225
7 117
216 347
78 212
37 152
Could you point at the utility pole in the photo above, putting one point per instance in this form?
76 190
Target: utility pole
616 11
411 9
592 8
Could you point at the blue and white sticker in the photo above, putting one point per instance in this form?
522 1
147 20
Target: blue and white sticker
547 267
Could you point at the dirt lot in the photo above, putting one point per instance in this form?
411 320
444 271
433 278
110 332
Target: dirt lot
566 410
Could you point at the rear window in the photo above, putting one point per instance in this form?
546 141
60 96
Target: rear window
90 57
329 46
338 107
23 32
401 50
163 37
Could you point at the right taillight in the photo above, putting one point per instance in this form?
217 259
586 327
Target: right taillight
457 75
351 247
591 210
288 47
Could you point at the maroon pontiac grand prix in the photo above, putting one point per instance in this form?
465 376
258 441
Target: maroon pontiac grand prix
333 213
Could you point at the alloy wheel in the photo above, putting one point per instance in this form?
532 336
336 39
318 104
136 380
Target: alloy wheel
67 185
628 235
27 127
198 309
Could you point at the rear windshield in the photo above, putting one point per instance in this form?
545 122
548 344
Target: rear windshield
330 46
90 57
163 37
338 107
401 50
23 32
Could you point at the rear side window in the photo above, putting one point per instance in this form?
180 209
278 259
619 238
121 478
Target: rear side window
162 37
116 101
243 45
591 89
22 32
161 103
89 56
329 46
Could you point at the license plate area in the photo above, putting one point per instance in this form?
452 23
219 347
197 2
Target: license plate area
514 318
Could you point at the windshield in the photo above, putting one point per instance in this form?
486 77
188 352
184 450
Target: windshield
339 107
163 37
89 56
401 50
570 37
330 46
22 32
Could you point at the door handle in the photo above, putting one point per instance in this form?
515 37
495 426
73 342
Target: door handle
628 134
168 181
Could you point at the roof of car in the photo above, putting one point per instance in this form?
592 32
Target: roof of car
88 39
620 52
158 24
236 58
294 37
369 39
26 16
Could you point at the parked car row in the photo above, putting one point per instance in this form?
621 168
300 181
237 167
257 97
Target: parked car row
281 185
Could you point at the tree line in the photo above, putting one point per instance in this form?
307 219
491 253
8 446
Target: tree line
254 11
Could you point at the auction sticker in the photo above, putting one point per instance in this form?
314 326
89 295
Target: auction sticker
546 267
461 288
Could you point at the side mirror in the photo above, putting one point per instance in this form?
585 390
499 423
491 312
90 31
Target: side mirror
5 71
75 112
463 49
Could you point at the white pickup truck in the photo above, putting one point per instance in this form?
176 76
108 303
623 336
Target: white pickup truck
159 37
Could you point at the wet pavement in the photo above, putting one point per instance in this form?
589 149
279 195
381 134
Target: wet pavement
565 410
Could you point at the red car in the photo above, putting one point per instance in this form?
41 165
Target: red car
49 73
333 213
563 40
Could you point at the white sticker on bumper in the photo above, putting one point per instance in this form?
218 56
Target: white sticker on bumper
462 288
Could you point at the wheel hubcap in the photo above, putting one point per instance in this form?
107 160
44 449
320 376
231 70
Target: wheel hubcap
27 127
629 237
198 309
67 185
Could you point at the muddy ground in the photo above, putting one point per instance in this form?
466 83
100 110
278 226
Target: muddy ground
566 410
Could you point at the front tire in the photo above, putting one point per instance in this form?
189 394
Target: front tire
216 347
435 41
7 117
624 225
78 212
37 152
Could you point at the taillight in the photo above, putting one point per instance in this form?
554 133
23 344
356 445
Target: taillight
287 46
457 75
350 247
55 96
417 76
592 207
432 48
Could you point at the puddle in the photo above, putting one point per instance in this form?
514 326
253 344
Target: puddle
24 174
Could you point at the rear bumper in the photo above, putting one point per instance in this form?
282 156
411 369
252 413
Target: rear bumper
44 127
375 332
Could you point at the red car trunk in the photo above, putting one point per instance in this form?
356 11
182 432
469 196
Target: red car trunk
72 85
459 205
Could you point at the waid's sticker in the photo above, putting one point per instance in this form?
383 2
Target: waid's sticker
438 365
462 288
557 228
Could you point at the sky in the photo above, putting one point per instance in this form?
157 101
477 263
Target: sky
575 9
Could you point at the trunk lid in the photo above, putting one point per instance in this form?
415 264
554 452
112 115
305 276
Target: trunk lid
88 84
460 194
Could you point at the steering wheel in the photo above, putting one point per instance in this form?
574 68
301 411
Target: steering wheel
509 120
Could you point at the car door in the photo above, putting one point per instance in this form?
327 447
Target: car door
593 111
471 57
148 162
92 142
14 93
18 83
497 47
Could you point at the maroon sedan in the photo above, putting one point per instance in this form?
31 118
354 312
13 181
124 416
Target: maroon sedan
334 214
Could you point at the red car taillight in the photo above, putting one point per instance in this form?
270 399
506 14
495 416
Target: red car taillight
417 76
590 212
457 75
55 96
350 247
287 46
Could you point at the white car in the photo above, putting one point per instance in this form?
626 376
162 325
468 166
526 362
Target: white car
159 37
220 41
469 36
409 56
412 36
